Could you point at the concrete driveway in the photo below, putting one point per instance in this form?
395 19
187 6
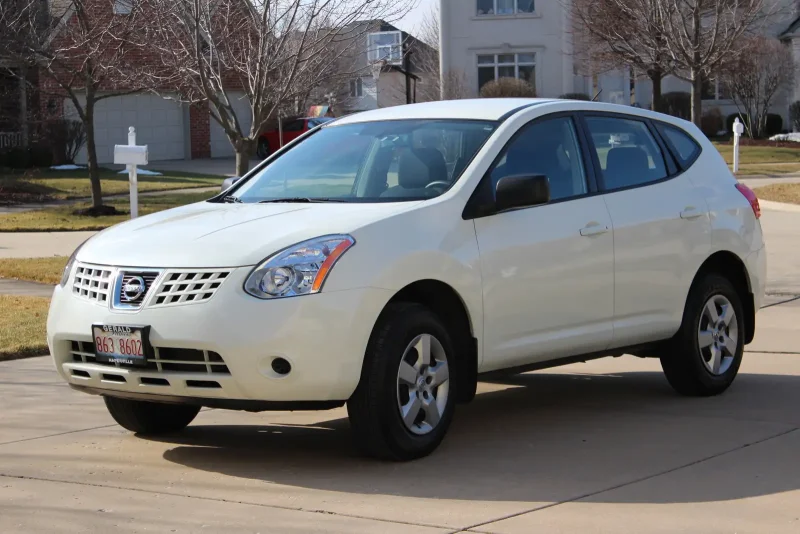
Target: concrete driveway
599 447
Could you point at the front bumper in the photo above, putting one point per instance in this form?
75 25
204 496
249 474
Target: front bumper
323 336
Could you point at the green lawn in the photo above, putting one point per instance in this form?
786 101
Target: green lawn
22 326
43 184
64 219
44 270
749 155
780 193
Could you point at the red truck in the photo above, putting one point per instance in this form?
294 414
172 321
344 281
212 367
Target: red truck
269 141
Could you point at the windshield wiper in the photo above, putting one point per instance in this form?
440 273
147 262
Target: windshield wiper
306 200
231 200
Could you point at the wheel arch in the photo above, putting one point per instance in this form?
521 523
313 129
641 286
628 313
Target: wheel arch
443 300
731 266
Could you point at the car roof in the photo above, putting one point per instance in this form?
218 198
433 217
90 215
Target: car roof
489 109
495 109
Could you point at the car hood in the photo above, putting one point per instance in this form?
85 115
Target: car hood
225 235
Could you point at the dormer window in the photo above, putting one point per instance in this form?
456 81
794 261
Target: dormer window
385 46
504 7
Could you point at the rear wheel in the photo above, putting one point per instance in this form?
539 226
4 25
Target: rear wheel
707 351
150 417
262 150
405 400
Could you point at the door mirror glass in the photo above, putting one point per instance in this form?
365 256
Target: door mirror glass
521 191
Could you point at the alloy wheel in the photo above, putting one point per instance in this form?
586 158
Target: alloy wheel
423 384
718 334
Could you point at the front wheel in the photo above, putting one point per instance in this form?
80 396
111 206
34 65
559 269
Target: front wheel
150 417
706 352
405 399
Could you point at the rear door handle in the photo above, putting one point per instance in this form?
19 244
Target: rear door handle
690 212
593 229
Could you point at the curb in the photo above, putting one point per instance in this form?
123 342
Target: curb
23 356
779 206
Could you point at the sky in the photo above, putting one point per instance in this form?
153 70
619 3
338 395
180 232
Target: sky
410 22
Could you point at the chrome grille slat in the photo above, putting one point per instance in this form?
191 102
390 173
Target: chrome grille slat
92 283
183 286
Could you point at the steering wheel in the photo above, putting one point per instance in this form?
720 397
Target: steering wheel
440 183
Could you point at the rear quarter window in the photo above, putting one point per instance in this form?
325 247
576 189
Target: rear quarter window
683 145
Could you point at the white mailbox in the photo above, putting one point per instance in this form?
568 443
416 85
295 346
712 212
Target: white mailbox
130 155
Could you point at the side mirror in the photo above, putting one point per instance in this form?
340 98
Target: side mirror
521 191
228 182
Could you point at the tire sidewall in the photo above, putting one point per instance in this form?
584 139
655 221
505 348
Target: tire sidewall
714 285
402 330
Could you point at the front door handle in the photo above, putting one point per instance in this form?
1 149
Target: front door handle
593 229
690 212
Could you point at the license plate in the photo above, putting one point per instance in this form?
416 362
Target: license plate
127 345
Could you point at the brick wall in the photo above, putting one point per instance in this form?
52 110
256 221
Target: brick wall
200 131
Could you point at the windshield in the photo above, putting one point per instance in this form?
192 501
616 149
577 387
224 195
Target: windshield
387 161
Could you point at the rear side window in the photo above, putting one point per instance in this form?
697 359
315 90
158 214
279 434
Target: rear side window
628 153
682 144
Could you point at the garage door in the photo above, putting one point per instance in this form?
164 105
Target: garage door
220 145
158 123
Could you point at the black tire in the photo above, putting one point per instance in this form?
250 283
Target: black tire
683 362
378 427
262 150
150 417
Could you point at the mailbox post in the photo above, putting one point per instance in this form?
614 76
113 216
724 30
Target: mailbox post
738 129
131 155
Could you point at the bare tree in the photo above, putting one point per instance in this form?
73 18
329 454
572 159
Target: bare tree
274 51
449 85
609 34
700 36
82 53
756 77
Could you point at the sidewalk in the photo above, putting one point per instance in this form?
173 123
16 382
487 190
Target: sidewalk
22 288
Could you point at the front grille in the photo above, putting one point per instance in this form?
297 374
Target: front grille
132 287
179 287
166 360
92 283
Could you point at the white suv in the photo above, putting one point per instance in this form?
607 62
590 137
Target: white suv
388 259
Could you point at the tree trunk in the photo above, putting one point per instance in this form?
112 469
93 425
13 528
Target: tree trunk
697 94
244 150
656 75
91 152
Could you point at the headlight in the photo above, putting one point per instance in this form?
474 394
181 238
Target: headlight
298 270
69 265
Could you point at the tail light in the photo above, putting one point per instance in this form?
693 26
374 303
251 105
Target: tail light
751 197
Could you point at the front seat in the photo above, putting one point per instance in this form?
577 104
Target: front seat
628 165
417 168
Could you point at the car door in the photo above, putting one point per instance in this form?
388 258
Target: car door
547 270
661 226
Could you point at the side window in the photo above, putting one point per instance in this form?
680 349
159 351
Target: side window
682 144
628 154
293 126
548 147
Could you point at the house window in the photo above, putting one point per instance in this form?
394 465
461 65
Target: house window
385 46
504 7
494 66
356 88
123 7
714 90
